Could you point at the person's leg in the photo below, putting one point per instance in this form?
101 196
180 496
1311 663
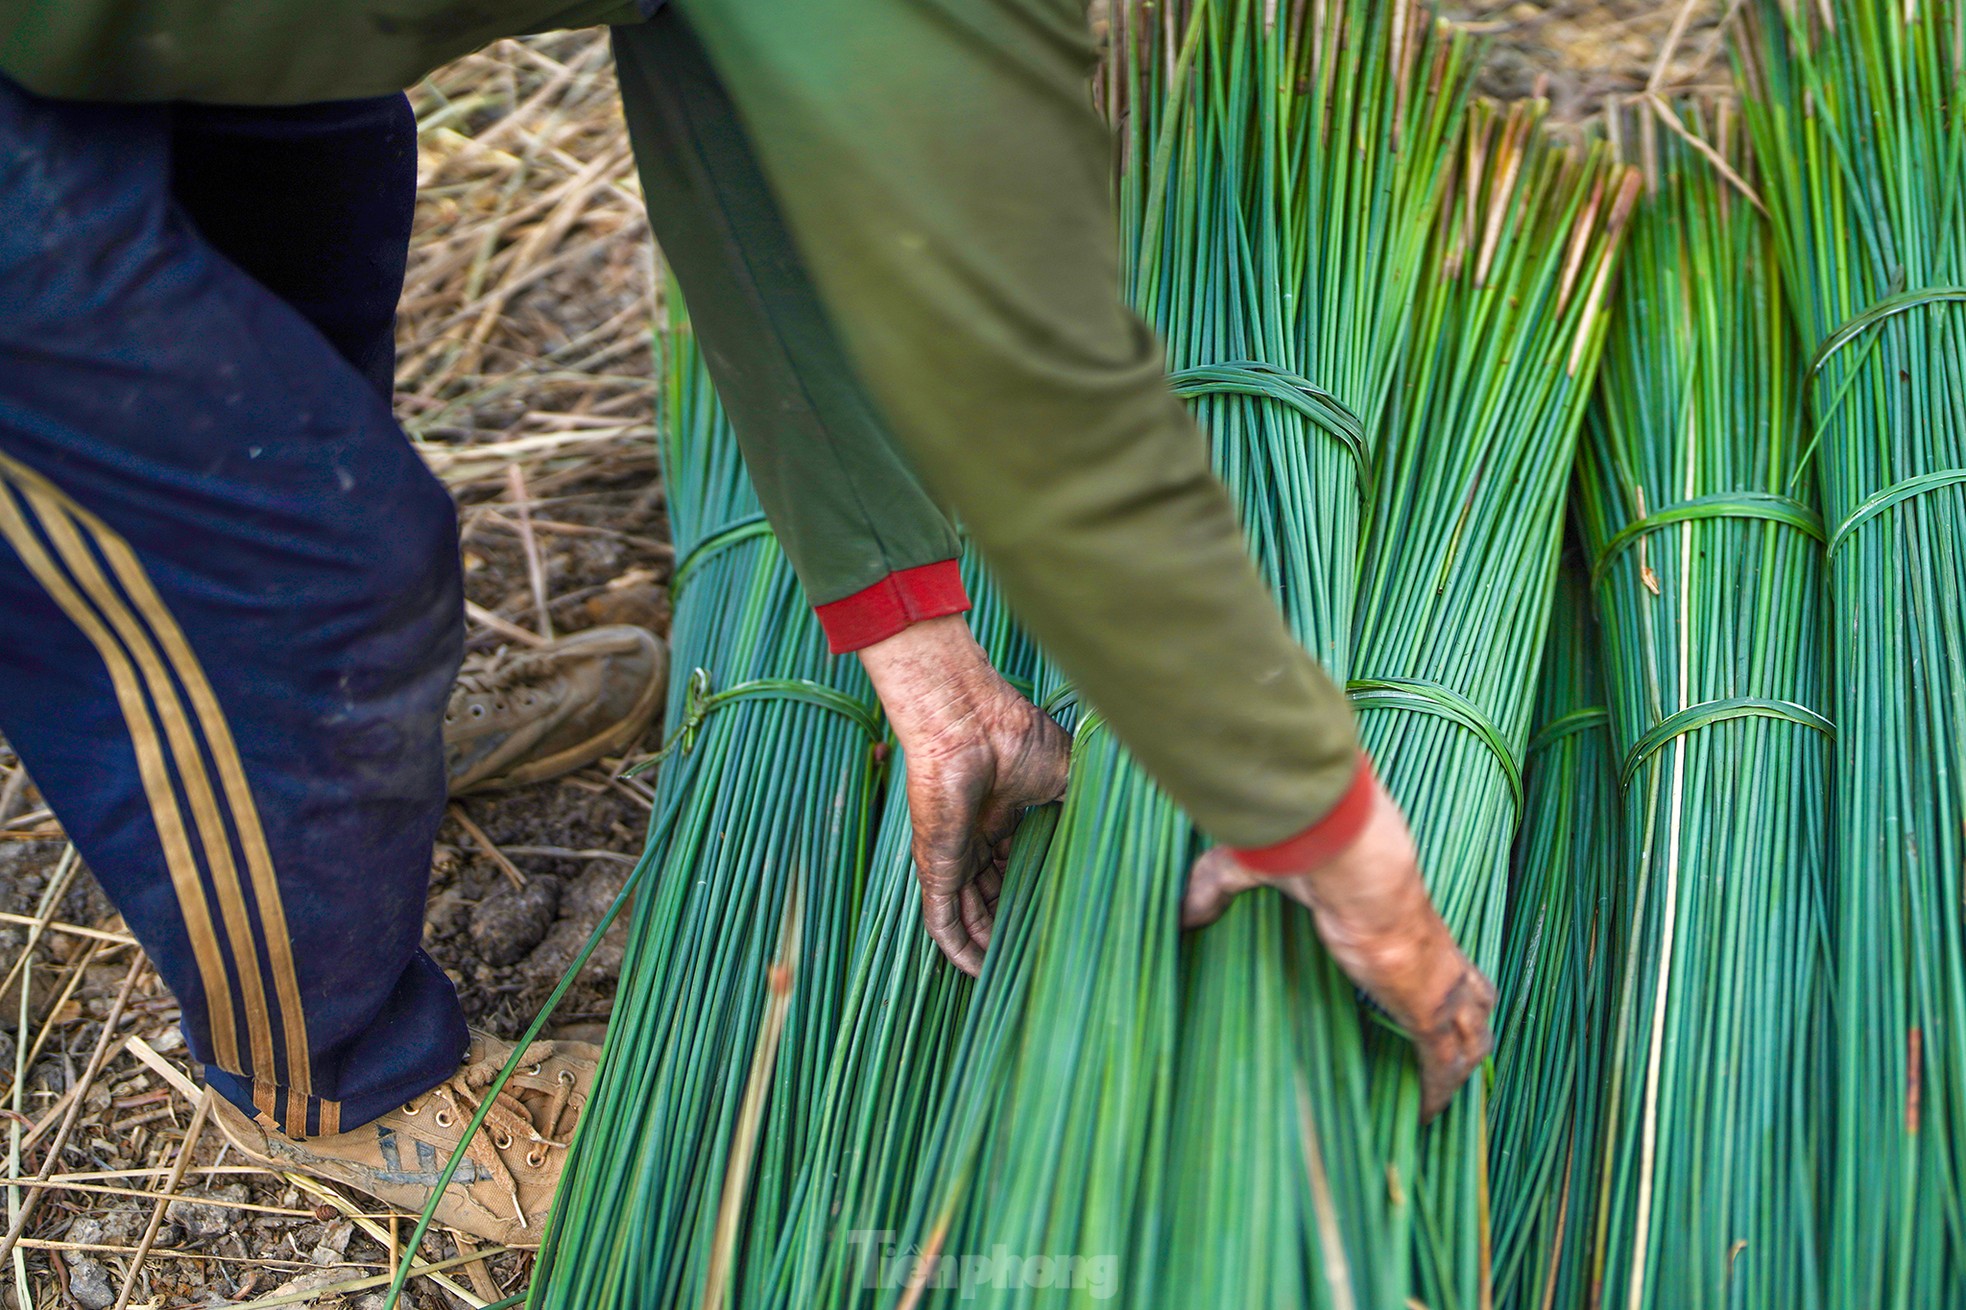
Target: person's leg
314 203
230 593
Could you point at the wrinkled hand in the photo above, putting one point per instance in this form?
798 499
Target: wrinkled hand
1375 917
978 756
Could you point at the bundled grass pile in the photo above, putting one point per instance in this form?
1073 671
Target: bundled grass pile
1700 519
896 1054
1041 1151
699 1126
1556 986
1197 1118
1304 216
1862 152
1460 565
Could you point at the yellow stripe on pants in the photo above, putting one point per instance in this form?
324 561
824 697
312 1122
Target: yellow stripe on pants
151 768
143 634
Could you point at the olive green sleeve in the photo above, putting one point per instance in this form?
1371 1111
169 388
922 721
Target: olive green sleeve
948 185
872 549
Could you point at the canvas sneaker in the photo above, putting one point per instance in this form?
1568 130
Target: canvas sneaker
502 1190
521 717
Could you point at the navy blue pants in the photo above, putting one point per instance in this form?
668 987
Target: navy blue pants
230 605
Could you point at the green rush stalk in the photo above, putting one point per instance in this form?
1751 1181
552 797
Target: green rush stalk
731 990
896 1052
1556 986
1706 546
1459 568
1853 107
1195 1116
1290 230
1036 1145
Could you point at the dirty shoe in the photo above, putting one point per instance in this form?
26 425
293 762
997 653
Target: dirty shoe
521 717
504 1187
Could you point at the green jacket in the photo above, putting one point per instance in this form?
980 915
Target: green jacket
892 221
266 52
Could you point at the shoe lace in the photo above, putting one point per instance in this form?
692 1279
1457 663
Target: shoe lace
506 1122
502 672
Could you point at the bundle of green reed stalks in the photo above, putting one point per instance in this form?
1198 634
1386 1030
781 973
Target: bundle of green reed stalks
1699 515
699 1126
1041 1148
1277 1192
897 1051
1556 987
1196 1117
1466 526
1854 111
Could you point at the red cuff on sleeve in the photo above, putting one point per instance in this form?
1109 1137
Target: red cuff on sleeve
905 596
1323 839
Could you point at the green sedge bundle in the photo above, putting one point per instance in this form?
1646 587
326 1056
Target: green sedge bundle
1334 139
1459 568
1862 151
1041 1152
1196 1116
1035 1155
1700 519
895 1057
1556 986
699 1126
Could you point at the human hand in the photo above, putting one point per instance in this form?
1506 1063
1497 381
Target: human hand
978 755
1373 913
